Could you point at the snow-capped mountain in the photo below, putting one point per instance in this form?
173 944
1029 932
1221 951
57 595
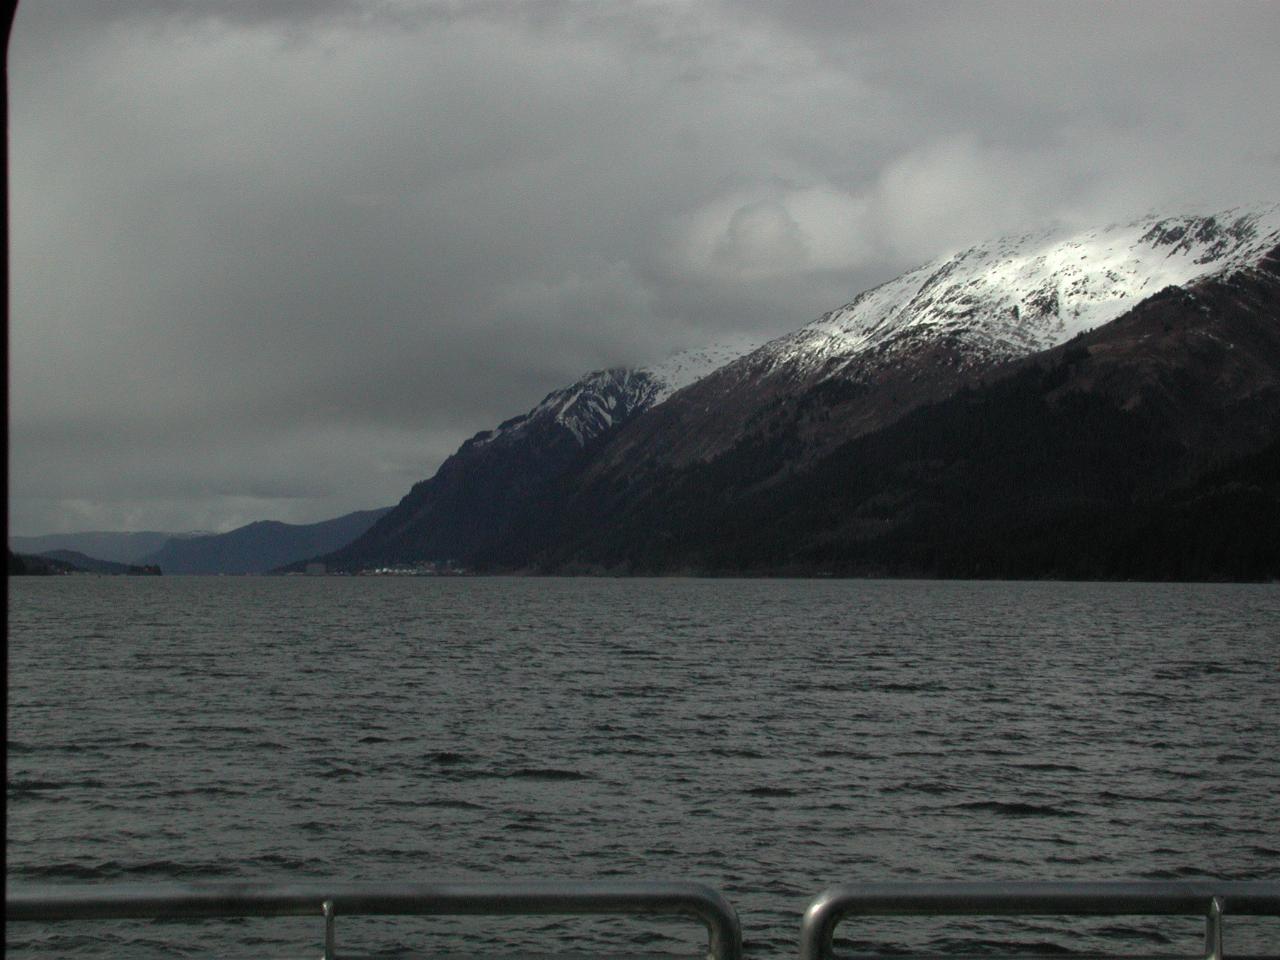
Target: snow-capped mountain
470 504
602 399
917 338
586 408
1022 294
1145 448
689 366
1139 351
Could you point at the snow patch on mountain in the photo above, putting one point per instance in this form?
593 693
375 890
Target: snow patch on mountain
593 404
689 366
1023 294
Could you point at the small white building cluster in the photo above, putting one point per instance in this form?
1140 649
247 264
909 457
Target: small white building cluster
422 568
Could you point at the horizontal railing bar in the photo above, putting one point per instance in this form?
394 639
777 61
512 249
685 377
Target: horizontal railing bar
1120 898
194 901
1208 898
149 901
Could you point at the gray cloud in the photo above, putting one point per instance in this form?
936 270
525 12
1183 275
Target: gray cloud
275 260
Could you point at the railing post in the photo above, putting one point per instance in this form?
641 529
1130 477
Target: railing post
329 933
1213 931
818 927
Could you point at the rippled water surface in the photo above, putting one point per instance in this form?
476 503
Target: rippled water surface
768 738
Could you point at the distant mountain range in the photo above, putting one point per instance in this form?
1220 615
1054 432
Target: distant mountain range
1102 403
80 562
262 546
254 548
114 547
59 562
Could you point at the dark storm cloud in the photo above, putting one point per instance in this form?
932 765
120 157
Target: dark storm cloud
277 259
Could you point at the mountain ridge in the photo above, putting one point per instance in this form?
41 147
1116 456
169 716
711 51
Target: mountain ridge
925 333
260 546
776 415
463 506
83 563
111 546
987 481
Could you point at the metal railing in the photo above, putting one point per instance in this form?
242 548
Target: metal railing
153 902
1211 900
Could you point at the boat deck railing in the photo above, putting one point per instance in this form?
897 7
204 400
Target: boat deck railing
1210 899
198 901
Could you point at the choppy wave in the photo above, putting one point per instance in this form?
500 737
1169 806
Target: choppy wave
1014 809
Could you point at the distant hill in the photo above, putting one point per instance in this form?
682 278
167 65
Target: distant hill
102 545
60 562
262 546
29 565
84 563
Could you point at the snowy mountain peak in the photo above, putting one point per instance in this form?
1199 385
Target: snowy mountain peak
689 366
1022 294
596 402
995 301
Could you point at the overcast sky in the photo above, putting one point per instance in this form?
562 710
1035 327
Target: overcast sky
276 259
